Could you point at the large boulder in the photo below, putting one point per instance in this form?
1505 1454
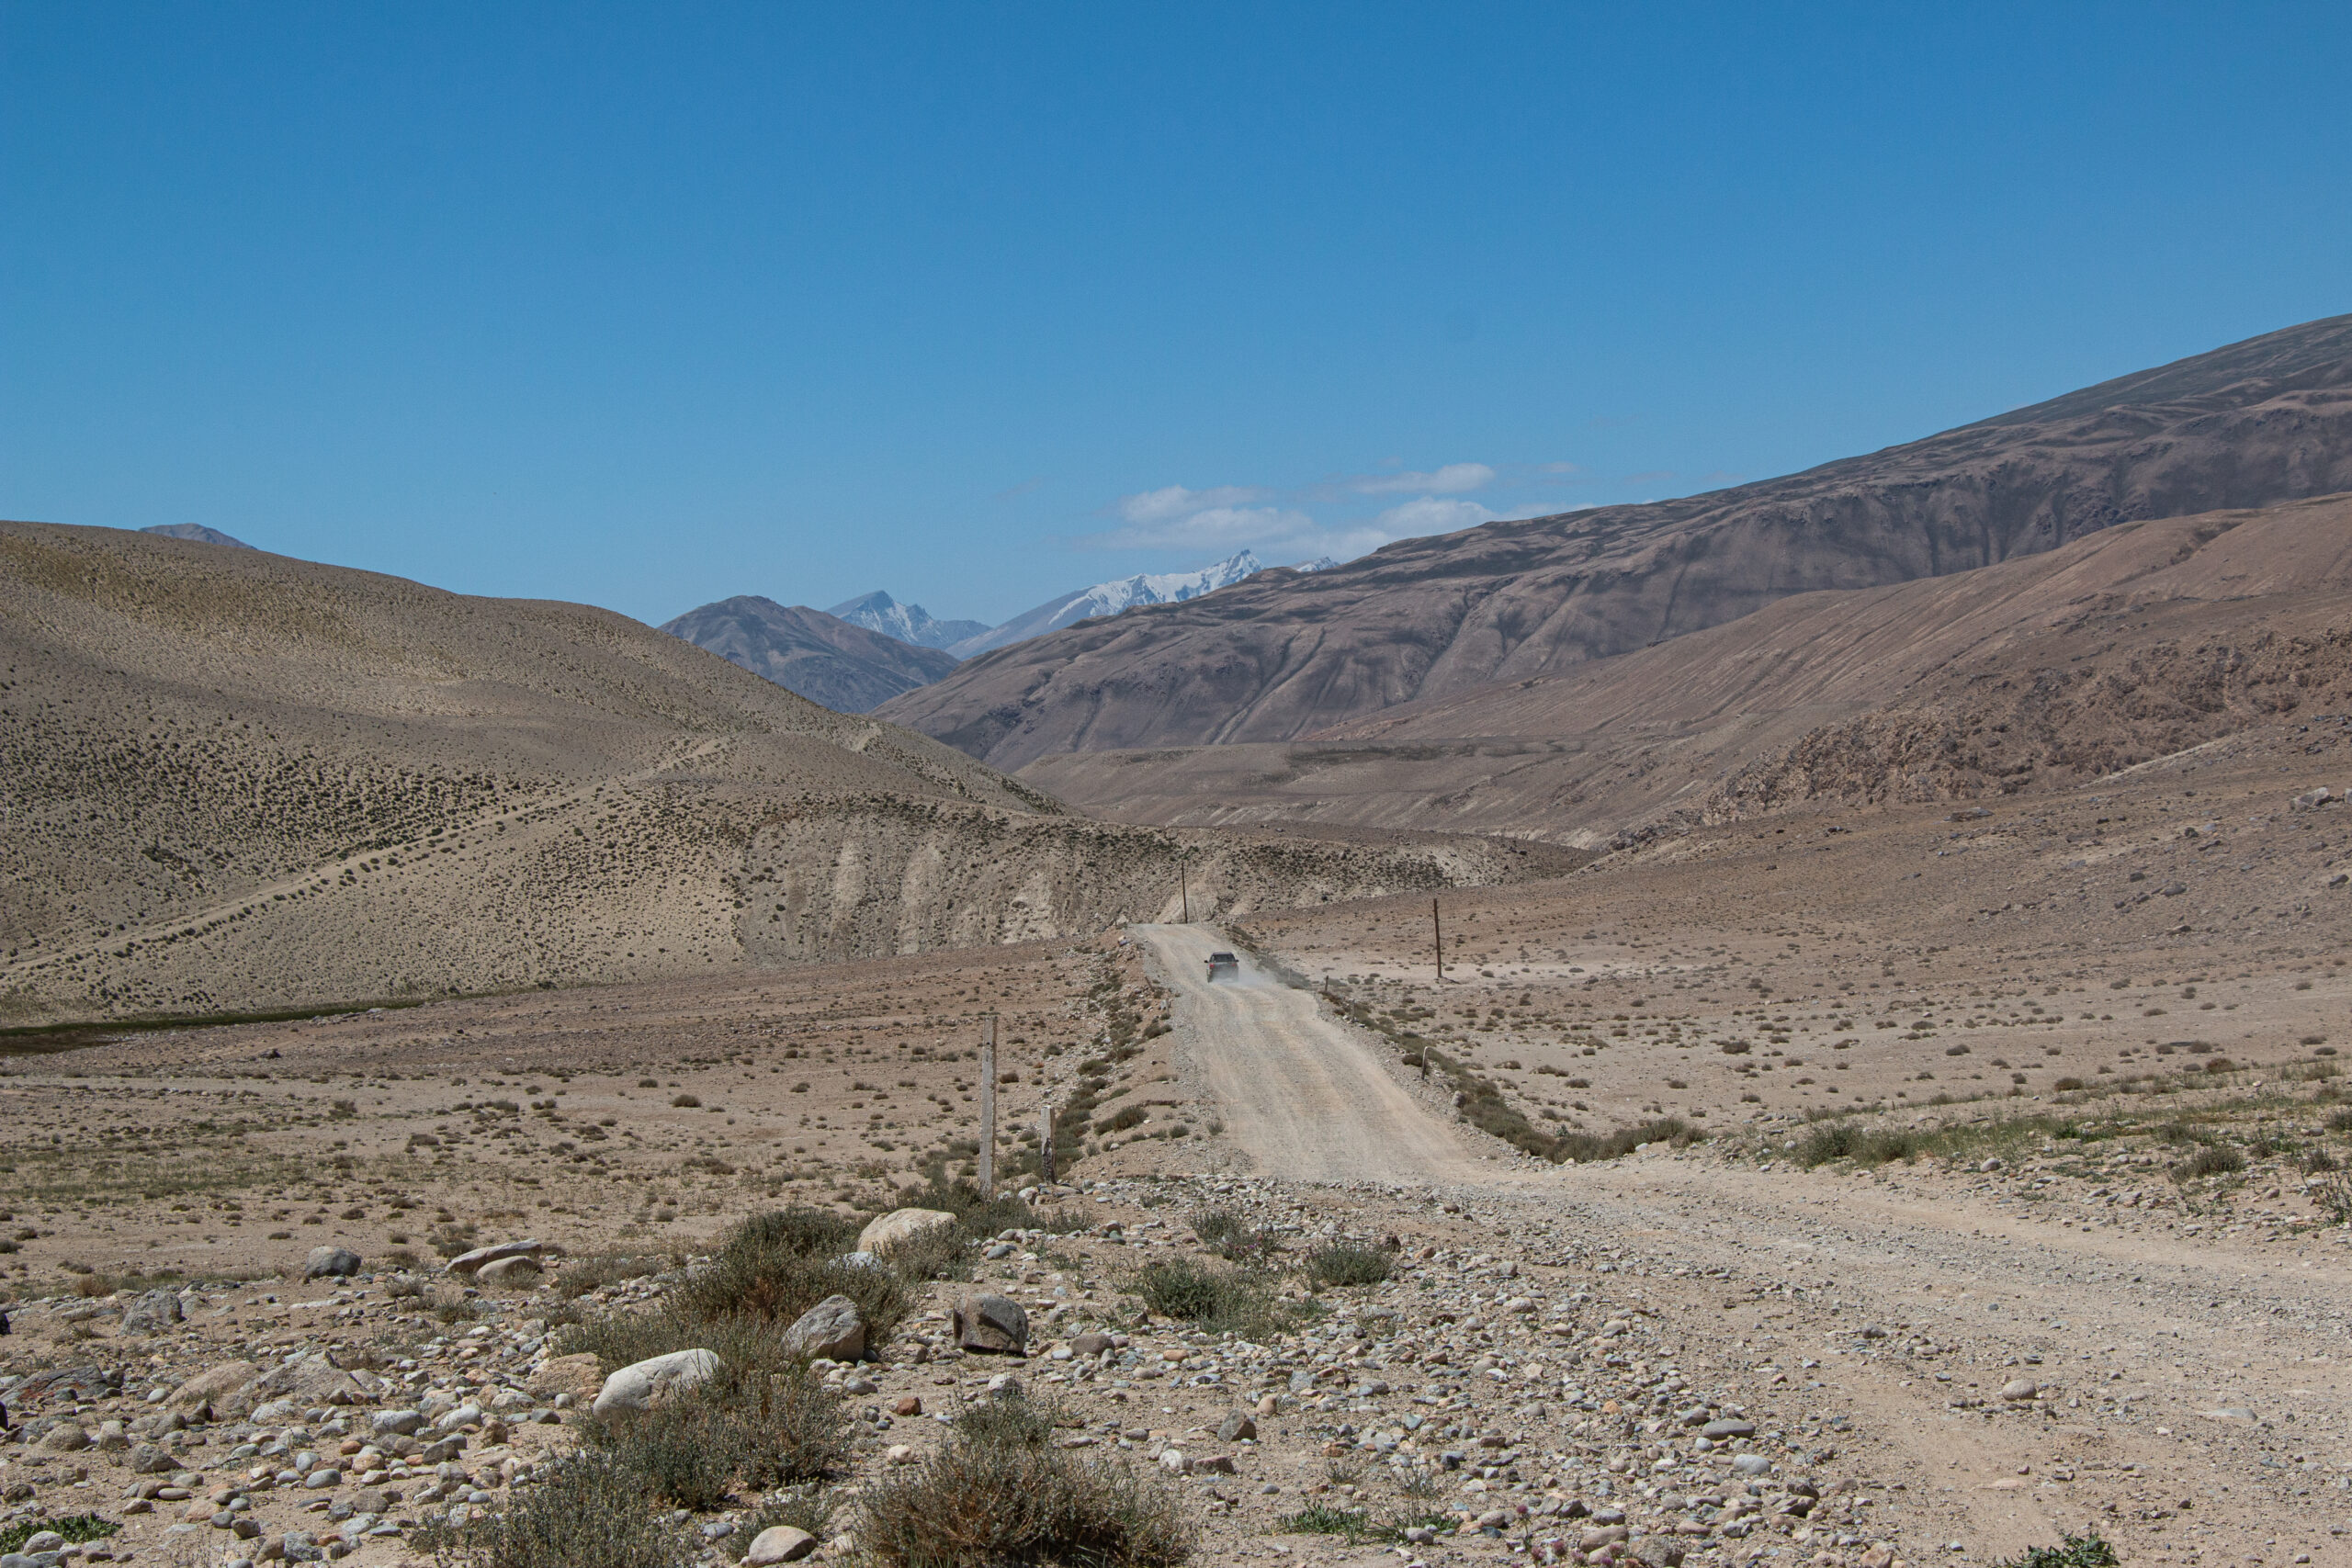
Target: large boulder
636 1387
331 1263
833 1328
309 1381
470 1263
991 1325
783 1543
157 1309
213 1384
900 1225
519 1269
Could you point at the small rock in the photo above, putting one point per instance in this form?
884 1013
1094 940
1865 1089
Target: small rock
638 1385
1728 1427
1091 1344
331 1263
909 1405
1212 1465
900 1225
783 1543
1992 1163
1236 1428
320 1480
2020 1388
148 1459
400 1422
991 1325
832 1330
519 1269
1751 1465
65 1437
1173 1460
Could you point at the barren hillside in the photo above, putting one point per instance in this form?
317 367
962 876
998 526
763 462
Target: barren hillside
2136 641
241 781
845 667
1286 654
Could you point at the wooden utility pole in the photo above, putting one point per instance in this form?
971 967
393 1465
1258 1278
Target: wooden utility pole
1184 888
988 1113
1437 933
1046 1142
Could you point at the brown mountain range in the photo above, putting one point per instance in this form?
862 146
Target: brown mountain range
1284 655
2139 641
823 658
237 780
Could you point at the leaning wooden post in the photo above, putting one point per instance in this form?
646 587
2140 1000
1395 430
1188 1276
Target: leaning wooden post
1046 1142
988 1113
1437 932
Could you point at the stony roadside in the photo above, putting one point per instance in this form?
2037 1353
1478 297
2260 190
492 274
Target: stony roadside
1519 1389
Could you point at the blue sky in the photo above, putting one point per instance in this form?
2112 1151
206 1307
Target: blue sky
646 305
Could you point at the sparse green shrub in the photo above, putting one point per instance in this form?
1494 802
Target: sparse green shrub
1220 1300
766 1270
2212 1159
980 1504
1119 1120
1843 1140
580 1275
1358 1526
1344 1263
77 1529
757 1427
1584 1147
1231 1238
589 1512
2335 1196
1011 1416
2076 1551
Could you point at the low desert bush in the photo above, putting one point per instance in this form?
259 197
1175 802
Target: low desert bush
580 1275
2075 1552
589 1512
755 1428
1012 1417
1344 1263
2212 1159
774 1266
1585 1147
1843 1140
979 1502
1221 1300
1357 1526
1224 1232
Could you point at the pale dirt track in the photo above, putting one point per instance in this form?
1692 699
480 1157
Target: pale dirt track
1298 1096
2196 1334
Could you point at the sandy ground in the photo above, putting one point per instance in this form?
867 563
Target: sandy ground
2183 1335
1298 1094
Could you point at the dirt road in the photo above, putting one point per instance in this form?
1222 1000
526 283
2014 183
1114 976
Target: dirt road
1296 1094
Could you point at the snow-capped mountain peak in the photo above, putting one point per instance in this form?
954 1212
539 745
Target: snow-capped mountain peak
877 612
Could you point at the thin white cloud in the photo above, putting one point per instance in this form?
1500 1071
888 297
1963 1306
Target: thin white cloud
1451 479
1174 501
1212 528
